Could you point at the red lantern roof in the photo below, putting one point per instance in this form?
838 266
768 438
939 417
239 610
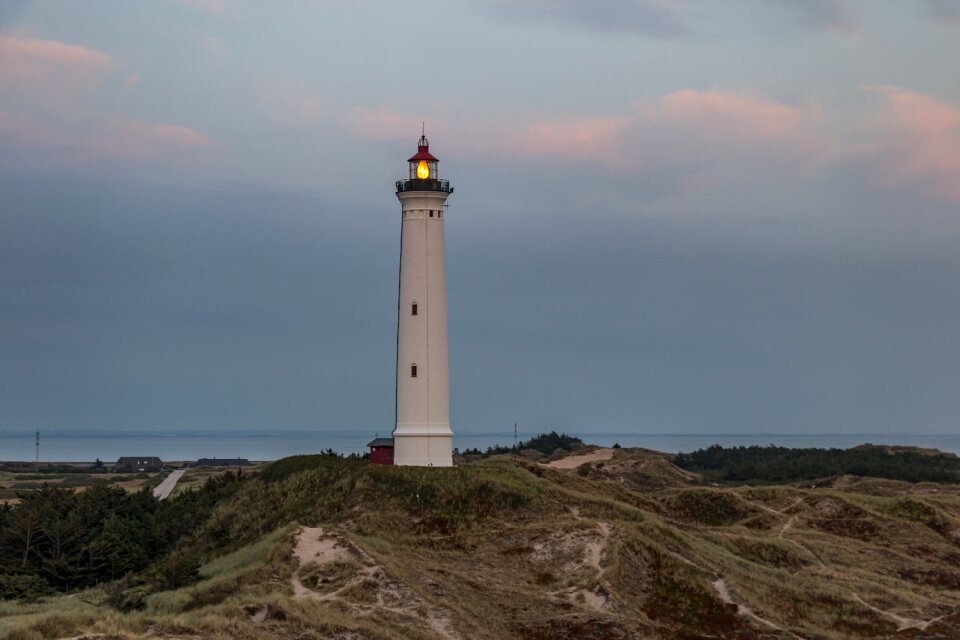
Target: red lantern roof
423 151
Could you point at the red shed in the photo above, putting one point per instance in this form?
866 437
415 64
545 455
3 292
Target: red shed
381 451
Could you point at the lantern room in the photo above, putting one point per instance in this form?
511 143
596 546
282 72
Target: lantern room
423 174
423 166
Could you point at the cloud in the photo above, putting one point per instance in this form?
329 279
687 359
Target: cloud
386 124
591 138
945 10
32 61
919 142
94 138
729 114
215 7
146 137
212 45
686 127
289 103
659 18
823 14
47 121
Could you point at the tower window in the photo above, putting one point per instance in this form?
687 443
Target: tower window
413 370
413 309
431 213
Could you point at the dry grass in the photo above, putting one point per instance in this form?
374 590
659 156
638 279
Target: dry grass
13 483
505 548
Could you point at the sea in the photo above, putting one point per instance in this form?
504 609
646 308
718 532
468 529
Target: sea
74 445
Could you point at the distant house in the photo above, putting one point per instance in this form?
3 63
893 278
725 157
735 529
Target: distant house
222 462
142 463
381 451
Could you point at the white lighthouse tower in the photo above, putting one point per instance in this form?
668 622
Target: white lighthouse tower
422 436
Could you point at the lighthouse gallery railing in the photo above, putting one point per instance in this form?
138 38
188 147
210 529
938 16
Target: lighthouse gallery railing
424 185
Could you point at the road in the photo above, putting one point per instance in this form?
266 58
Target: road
164 488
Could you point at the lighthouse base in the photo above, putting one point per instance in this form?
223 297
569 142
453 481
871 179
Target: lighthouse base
423 447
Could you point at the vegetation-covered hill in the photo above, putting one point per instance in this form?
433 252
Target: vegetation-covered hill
632 547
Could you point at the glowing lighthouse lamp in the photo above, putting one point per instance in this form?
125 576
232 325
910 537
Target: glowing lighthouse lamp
422 435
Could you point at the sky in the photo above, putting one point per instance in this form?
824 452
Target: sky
670 216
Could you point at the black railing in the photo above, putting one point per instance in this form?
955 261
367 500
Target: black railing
424 185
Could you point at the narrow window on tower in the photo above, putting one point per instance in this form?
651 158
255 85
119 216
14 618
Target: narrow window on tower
413 309
413 370
431 213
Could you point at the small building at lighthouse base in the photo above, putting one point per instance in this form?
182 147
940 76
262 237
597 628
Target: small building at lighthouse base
381 450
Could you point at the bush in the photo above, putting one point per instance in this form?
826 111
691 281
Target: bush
23 587
121 596
176 570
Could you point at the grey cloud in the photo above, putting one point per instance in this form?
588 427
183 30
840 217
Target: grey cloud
139 306
10 11
657 18
822 14
148 307
945 9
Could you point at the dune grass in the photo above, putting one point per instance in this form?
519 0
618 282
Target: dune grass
505 547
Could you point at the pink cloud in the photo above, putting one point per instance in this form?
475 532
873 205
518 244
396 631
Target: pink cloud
683 127
732 114
34 61
597 139
96 140
919 142
385 124
139 139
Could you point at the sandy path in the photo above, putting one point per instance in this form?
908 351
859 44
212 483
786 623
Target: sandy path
786 526
720 586
314 544
164 488
723 591
572 462
903 623
595 549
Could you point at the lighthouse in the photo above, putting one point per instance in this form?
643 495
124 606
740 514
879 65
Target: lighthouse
422 435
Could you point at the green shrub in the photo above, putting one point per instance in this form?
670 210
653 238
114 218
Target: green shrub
23 587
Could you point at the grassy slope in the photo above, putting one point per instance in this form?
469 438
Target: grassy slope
503 548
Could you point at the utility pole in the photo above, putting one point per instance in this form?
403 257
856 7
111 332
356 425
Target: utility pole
514 435
37 463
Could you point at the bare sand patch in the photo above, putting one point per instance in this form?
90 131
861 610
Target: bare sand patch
317 547
572 462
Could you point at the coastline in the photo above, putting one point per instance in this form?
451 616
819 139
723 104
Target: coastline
66 446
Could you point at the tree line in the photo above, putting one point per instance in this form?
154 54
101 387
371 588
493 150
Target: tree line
58 540
782 464
545 443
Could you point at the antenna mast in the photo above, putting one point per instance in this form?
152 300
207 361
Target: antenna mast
37 463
